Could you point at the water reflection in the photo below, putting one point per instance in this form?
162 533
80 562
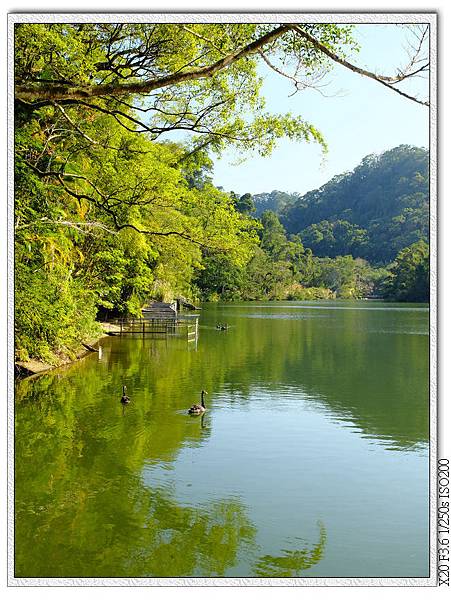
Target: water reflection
370 367
300 414
86 511
292 563
82 509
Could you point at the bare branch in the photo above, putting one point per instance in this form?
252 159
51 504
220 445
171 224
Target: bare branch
299 84
66 116
83 226
385 81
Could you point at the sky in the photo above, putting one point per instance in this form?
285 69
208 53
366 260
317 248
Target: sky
358 117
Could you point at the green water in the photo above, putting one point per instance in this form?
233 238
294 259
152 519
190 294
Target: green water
311 460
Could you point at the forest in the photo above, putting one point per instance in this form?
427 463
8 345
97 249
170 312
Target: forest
110 212
375 211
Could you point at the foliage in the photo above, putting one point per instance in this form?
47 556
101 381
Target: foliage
243 204
106 68
409 277
347 277
373 212
334 238
297 291
125 226
281 268
52 313
219 278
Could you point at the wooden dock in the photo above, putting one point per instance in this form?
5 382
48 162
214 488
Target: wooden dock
181 326
160 319
160 310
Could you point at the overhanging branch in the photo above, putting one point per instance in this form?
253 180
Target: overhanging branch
34 92
384 80
38 92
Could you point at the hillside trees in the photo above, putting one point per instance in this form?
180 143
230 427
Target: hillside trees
335 238
372 212
409 278
275 201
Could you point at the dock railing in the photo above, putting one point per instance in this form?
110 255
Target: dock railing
178 326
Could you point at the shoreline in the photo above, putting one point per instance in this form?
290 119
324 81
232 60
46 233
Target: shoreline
34 367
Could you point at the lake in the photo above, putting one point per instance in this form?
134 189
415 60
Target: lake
312 459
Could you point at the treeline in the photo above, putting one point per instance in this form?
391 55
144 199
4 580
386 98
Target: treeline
282 268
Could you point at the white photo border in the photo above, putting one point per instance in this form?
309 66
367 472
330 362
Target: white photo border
397 17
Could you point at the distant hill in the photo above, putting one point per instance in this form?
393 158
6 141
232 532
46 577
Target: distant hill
275 201
372 212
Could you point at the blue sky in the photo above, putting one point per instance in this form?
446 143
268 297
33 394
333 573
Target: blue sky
359 117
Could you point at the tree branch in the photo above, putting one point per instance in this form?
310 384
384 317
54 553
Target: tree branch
80 226
105 207
43 92
385 81
57 92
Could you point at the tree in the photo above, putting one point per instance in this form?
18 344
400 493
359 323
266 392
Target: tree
266 278
348 277
219 278
123 59
409 280
244 204
273 237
